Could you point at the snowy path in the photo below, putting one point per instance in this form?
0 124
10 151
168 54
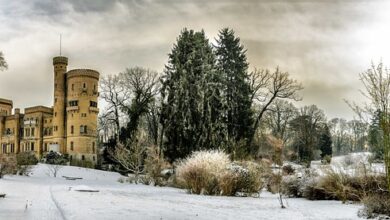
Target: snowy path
52 198
30 200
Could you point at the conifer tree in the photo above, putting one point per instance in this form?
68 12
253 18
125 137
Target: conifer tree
190 114
233 66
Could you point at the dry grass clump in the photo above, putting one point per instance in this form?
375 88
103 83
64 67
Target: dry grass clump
334 185
199 173
212 173
375 205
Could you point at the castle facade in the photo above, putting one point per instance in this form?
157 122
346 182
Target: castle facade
69 127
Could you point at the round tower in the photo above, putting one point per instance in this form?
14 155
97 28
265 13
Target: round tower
82 114
60 64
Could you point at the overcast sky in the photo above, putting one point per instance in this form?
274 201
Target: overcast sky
324 44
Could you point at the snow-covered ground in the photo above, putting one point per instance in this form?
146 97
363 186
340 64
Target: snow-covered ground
42 197
352 164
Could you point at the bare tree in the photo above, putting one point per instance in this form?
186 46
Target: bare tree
376 81
267 87
143 86
278 117
114 94
131 156
3 63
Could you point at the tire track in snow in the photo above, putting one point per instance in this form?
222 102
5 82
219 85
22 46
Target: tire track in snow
57 204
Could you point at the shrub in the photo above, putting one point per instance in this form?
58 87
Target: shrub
291 186
155 165
273 182
199 173
53 157
288 169
327 159
333 184
375 205
245 178
24 161
337 185
82 163
8 165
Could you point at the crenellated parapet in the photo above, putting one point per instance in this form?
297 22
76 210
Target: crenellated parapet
60 60
82 73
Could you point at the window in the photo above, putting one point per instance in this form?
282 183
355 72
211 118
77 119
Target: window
4 148
83 129
93 147
32 146
55 100
74 103
55 114
83 115
12 148
84 85
45 147
93 104
71 129
82 157
32 131
71 145
93 158
72 87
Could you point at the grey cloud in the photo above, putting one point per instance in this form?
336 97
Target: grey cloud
318 41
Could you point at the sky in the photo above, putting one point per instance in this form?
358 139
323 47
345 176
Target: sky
324 44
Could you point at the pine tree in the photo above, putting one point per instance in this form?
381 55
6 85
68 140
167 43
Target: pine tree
191 102
233 66
375 136
325 142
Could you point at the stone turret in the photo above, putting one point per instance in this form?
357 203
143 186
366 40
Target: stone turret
59 117
82 113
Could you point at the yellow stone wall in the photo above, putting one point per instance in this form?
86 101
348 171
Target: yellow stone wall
60 66
53 126
10 135
5 107
82 112
33 129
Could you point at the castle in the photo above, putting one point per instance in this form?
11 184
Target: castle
70 126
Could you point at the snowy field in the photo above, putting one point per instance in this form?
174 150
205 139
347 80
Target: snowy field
41 197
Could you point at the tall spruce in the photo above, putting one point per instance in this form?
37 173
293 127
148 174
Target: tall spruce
233 66
191 98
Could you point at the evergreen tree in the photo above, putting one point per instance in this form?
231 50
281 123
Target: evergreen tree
233 66
191 98
325 142
375 137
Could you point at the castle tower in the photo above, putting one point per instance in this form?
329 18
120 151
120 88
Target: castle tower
82 114
60 65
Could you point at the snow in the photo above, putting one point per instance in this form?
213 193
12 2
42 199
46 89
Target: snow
351 164
43 197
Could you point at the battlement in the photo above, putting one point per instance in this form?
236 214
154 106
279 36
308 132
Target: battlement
39 108
6 102
60 60
83 73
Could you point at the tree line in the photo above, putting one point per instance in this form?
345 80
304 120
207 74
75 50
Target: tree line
208 98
